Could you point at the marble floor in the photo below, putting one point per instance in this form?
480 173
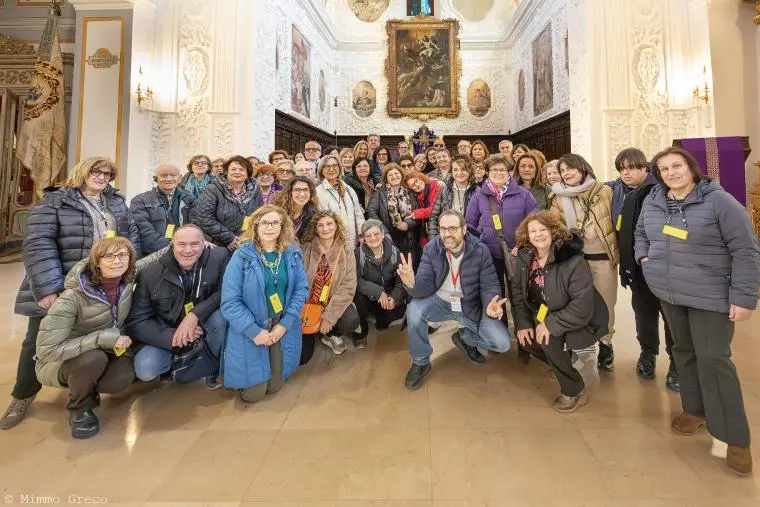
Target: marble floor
345 432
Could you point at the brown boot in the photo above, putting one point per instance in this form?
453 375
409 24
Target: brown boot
739 460
685 424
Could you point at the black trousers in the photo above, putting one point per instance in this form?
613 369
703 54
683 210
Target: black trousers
709 383
646 309
383 318
346 324
570 381
92 373
26 378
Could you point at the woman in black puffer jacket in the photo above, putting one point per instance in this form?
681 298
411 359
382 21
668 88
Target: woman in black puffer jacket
223 207
59 232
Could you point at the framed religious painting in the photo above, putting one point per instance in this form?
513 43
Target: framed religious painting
423 68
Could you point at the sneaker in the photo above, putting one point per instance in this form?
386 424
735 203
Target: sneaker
567 404
739 460
17 411
471 353
685 424
671 381
334 343
606 360
360 341
415 377
645 366
212 383
83 424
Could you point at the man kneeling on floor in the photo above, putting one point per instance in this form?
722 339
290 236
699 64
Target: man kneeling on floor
175 313
456 280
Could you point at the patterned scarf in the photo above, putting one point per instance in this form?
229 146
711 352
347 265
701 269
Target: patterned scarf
243 198
369 189
196 186
498 193
399 198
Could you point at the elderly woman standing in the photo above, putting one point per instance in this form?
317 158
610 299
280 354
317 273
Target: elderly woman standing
699 255
334 195
331 274
60 231
585 204
198 175
263 292
223 208
81 344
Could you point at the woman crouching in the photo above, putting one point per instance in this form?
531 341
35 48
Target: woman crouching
557 306
263 292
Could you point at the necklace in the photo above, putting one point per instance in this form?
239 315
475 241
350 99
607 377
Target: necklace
274 264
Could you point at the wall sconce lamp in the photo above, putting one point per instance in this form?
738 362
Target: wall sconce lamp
143 94
702 96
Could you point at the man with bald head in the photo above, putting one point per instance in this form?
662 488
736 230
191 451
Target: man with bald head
161 210
175 304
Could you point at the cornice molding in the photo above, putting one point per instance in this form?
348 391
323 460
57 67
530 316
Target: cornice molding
36 25
525 17
147 6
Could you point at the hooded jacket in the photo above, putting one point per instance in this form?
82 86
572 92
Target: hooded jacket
629 212
244 305
718 263
577 312
58 234
220 215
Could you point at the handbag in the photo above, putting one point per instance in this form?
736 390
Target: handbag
194 362
311 315
509 260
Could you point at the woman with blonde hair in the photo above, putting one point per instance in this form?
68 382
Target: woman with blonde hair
331 274
361 150
347 158
59 232
198 175
335 195
263 292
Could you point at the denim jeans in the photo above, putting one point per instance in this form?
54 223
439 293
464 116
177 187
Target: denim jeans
151 362
490 334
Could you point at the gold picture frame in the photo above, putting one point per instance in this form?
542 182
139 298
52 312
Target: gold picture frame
423 68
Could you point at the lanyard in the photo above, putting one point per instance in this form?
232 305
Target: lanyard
454 276
99 209
273 267
680 210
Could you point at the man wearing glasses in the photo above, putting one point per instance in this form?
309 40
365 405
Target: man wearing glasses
176 303
312 150
456 280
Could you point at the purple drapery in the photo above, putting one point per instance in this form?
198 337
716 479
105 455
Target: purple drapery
721 158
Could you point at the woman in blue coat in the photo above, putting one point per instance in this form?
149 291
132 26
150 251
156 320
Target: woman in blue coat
263 293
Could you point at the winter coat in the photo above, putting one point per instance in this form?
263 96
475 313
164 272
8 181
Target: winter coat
58 234
353 181
445 202
716 266
375 278
378 209
629 212
477 274
577 312
159 301
514 207
219 215
343 286
81 319
438 175
598 202
541 195
245 306
151 214
349 208
306 215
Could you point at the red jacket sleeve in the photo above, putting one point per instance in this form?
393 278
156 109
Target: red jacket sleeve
426 208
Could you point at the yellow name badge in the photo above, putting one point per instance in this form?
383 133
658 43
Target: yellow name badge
619 222
579 223
118 351
543 311
496 222
189 307
323 295
246 223
169 231
669 230
110 234
274 300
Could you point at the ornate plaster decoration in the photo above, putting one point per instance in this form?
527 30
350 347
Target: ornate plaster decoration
12 77
9 46
102 59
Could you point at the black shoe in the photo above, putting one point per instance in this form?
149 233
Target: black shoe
415 377
360 341
671 381
646 365
606 360
471 353
83 424
523 356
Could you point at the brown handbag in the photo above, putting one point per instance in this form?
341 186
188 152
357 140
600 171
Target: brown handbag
311 315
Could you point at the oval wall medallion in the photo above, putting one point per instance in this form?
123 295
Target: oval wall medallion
364 99
479 98
368 11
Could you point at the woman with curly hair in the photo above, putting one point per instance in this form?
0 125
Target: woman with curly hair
557 306
299 200
331 275
198 175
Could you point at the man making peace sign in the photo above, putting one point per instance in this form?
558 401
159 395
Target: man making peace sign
456 280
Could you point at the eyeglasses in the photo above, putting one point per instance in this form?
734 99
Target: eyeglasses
332 166
311 149
285 171
200 163
265 224
407 165
97 173
122 256
261 175
301 191
450 230
499 170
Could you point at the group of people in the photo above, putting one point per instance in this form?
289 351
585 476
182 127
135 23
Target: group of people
236 271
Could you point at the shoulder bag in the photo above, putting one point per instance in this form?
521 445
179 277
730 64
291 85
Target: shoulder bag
311 315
